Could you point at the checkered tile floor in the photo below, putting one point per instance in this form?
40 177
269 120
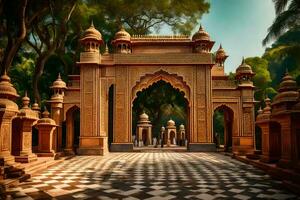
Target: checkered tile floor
161 175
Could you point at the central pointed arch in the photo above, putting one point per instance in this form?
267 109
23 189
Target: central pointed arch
176 81
149 79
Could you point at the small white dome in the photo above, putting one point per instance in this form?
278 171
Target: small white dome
144 117
171 123
181 127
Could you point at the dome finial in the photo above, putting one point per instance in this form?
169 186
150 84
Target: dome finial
92 23
59 77
106 49
220 46
286 71
25 100
243 60
200 28
46 112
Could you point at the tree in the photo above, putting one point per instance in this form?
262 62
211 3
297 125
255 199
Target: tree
142 17
16 19
262 79
48 36
284 55
287 18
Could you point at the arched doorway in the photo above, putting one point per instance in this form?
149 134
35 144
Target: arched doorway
145 137
172 138
72 129
161 101
222 127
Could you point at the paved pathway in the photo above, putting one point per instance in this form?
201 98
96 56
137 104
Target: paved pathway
161 175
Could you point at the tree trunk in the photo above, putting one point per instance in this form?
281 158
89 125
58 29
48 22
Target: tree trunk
39 69
14 44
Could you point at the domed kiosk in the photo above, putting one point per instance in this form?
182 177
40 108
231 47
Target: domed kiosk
144 130
171 133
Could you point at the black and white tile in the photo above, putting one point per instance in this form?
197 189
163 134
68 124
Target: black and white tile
160 175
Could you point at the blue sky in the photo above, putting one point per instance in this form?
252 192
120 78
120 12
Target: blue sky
240 25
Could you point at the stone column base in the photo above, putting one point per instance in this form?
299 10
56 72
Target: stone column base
121 147
6 158
26 158
91 145
69 152
202 147
268 159
284 163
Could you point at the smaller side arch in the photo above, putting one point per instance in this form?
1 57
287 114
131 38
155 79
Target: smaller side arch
224 136
72 129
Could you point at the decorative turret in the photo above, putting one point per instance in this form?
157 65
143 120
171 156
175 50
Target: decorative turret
7 91
267 109
244 74
266 112
221 56
122 41
287 92
59 86
25 101
35 106
92 39
202 42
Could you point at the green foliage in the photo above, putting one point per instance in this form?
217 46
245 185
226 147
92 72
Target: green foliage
218 126
287 18
21 76
284 55
161 102
142 17
262 79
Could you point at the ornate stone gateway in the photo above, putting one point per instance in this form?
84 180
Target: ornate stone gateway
109 82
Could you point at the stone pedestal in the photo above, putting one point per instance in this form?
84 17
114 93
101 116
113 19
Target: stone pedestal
22 133
22 146
8 110
46 127
6 115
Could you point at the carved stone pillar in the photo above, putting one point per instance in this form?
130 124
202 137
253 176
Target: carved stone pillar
56 114
22 133
46 127
201 111
8 110
243 143
282 108
93 137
